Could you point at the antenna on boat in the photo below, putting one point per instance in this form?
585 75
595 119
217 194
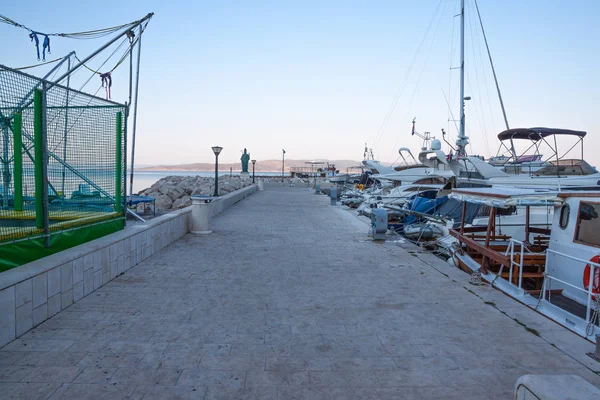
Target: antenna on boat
462 141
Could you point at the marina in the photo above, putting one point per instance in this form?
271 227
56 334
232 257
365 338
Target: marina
452 272
312 309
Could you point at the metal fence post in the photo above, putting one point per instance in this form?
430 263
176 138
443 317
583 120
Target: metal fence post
119 161
44 162
18 160
38 158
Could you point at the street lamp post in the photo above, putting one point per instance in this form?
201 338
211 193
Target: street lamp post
282 164
253 162
216 150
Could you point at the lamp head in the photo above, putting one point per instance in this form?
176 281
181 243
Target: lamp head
216 150
253 161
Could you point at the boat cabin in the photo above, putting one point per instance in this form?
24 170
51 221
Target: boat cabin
554 269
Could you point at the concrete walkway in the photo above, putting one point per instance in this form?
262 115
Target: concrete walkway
288 299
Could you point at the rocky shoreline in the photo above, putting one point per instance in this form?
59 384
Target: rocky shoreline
174 192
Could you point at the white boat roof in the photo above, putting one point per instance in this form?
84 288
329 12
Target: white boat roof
507 196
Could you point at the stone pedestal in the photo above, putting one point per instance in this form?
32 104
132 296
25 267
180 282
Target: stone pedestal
245 176
201 210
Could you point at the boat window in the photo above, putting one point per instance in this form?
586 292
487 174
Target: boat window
564 215
588 224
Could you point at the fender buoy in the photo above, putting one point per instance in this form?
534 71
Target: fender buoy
362 187
587 279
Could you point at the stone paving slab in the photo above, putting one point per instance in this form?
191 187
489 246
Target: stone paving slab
289 299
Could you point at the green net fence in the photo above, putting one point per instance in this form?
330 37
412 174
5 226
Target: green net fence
62 159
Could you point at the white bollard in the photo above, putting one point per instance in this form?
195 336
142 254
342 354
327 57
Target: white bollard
261 184
201 208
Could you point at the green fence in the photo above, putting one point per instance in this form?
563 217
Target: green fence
62 167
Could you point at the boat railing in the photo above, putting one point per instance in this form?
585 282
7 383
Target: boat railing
517 253
589 291
511 250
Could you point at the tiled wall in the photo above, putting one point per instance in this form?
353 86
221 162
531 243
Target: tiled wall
32 293
52 284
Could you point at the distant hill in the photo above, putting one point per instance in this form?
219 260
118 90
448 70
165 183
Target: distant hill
261 165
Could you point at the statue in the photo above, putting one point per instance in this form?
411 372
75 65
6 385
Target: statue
245 158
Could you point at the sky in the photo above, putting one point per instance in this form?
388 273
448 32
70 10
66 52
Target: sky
321 78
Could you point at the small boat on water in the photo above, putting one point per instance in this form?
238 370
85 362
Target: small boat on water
554 270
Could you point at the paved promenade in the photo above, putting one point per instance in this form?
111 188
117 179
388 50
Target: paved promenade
288 299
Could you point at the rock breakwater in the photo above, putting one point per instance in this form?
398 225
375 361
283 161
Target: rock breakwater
175 192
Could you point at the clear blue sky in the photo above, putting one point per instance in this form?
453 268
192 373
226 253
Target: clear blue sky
318 77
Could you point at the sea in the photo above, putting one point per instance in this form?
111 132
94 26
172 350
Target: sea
145 179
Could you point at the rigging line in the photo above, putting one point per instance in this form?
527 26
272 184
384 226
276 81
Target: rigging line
475 111
450 110
129 49
485 84
120 60
407 74
92 34
85 66
90 78
492 65
482 121
422 69
9 21
404 80
477 52
39 65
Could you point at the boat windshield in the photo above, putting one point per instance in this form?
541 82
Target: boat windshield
566 167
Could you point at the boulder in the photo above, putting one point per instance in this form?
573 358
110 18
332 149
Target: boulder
163 189
182 202
206 189
175 192
163 202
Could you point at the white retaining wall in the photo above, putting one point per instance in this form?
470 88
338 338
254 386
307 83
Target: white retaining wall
34 292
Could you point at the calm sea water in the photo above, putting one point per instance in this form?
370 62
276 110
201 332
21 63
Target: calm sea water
145 179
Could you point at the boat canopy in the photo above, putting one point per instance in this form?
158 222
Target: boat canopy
536 134
506 196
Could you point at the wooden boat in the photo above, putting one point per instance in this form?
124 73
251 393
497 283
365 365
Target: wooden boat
556 271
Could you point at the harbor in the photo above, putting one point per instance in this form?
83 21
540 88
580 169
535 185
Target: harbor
222 239
313 309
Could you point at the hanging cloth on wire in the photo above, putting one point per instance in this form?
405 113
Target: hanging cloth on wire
34 37
106 83
45 45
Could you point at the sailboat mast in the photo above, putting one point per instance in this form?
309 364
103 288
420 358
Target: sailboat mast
462 140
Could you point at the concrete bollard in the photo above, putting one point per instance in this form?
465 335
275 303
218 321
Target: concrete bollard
318 188
261 184
333 195
201 209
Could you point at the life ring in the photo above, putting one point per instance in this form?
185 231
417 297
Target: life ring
596 280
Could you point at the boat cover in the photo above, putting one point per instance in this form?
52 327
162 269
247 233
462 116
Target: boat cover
536 134
505 197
